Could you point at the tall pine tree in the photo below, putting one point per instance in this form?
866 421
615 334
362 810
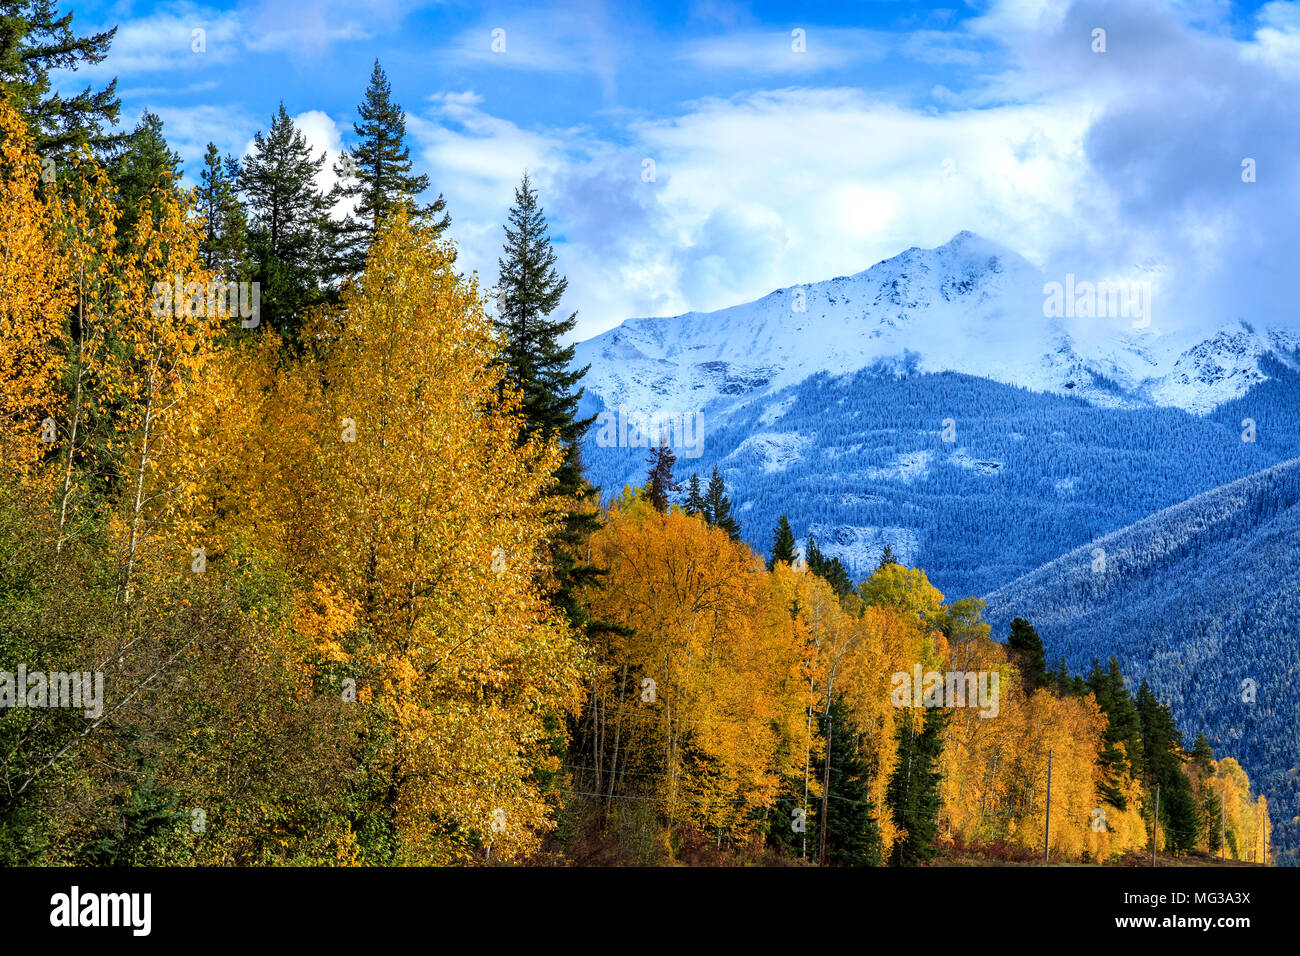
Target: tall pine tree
529 290
913 791
1163 757
717 506
144 164
852 833
1027 651
829 569
782 544
35 40
659 483
288 223
376 174
1120 758
225 236
694 504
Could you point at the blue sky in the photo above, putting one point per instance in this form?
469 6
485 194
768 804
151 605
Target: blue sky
897 124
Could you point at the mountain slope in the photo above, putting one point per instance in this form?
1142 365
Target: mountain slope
860 461
1197 599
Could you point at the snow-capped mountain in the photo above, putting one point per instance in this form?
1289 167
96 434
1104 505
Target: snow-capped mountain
928 403
967 306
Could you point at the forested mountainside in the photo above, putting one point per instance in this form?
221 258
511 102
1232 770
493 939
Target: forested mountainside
860 461
1203 601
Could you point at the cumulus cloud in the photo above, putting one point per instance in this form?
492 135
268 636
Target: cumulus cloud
1123 164
1126 163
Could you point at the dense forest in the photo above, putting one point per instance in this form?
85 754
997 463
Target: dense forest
1224 661
306 506
859 461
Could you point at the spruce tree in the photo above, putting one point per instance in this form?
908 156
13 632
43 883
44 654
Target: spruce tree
541 368
828 569
913 791
1163 757
225 238
143 164
35 40
1182 816
852 833
288 223
694 504
717 506
1212 818
660 484
1027 650
1119 758
782 544
376 173
1203 755
887 556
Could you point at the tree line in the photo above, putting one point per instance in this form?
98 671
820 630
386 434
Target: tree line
354 601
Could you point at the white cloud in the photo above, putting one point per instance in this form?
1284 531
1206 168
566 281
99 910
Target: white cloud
768 53
752 193
181 36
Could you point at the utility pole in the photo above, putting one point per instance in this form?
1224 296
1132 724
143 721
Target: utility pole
826 789
1047 828
1155 826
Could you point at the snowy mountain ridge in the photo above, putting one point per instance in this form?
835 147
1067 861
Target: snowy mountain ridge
968 306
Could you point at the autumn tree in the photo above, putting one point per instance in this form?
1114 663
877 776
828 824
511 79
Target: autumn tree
432 536
34 301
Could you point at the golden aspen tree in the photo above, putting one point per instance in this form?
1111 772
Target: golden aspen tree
166 338
87 232
716 648
33 301
430 529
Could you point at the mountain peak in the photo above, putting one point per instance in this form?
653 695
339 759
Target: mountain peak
970 305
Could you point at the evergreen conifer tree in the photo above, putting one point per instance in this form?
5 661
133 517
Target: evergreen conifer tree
660 484
1027 649
829 569
144 163
35 40
540 366
852 833
782 544
288 223
913 792
887 556
717 506
376 173
225 242
694 504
